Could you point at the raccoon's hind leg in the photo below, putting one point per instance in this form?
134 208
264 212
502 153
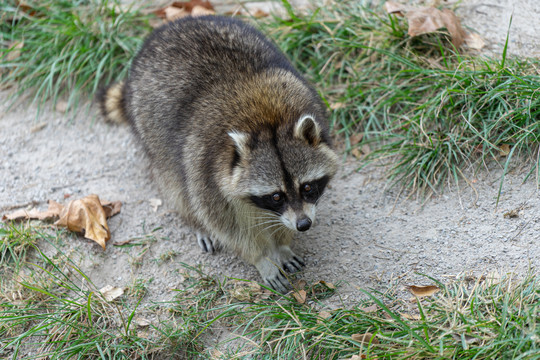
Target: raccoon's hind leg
206 244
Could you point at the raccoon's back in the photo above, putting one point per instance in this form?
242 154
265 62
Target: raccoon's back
183 62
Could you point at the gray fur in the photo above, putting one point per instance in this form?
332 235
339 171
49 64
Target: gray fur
225 119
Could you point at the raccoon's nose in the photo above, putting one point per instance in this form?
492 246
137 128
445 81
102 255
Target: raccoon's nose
303 224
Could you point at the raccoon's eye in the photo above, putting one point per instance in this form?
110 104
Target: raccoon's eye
276 197
307 188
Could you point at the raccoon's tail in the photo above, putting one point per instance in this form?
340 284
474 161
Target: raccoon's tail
111 103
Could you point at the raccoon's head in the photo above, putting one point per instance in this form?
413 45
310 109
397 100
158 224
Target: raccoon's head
283 170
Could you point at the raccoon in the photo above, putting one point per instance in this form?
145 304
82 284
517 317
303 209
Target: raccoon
237 139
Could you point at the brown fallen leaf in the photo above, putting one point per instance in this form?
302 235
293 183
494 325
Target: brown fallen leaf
356 153
365 338
465 340
356 138
393 7
504 150
410 316
201 11
424 20
474 41
423 291
111 208
179 9
323 315
88 216
155 203
111 293
300 296
14 51
259 13
50 214
370 309
142 322
329 285
511 214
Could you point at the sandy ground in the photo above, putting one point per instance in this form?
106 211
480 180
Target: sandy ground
366 236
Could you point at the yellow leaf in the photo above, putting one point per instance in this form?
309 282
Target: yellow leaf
300 296
111 293
365 338
423 291
504 150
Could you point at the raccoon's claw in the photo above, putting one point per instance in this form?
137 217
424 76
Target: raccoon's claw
288 259
293 265
205 243
272 275
279 283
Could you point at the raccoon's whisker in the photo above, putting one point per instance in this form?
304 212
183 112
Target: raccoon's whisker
276 225
273 222
276 230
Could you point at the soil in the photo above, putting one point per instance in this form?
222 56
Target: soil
367 236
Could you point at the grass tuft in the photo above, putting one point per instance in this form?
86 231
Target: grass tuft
66 49
425 110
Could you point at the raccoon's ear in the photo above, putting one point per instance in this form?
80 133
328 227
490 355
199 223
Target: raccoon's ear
307 129
241 144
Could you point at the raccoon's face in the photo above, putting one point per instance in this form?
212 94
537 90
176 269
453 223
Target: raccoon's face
284 171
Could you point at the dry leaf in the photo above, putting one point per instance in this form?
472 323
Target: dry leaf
329 285
356 153
201 11
38 127
465 340
474 41
88 216
300 284
392 7
155 203
424 20
370 309
423 291
323 315
61 106
260 14
365 339
504 150
142 322
52 213
356 138
14 51
337 105
300 296
111 293
409 316
429 19
511 214
172 13
366 150
180 9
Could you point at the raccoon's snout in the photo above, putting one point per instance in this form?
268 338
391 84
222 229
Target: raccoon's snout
303 224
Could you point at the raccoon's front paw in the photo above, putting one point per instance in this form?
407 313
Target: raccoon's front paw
205 243
288 259
272 275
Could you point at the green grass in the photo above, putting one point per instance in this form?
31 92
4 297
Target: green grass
428 112
68 48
